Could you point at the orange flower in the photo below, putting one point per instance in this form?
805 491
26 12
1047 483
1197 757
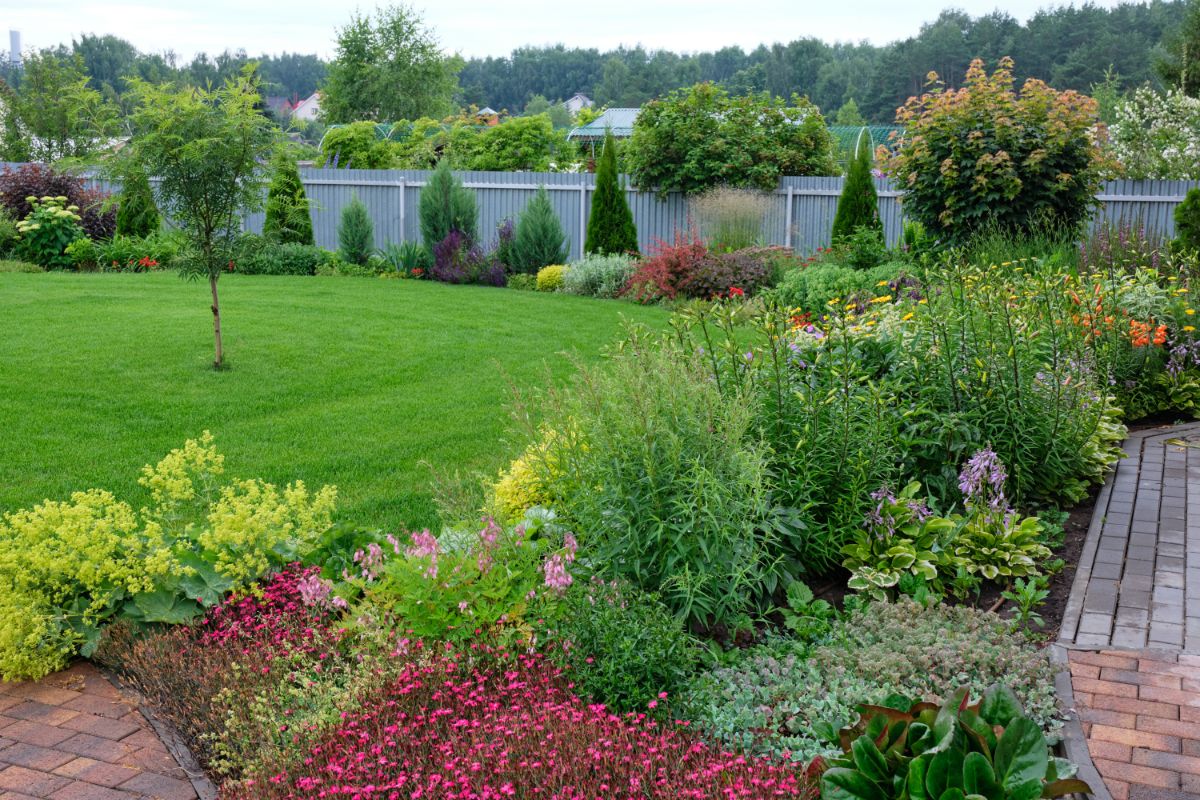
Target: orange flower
1160 334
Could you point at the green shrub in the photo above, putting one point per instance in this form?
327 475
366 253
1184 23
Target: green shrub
663 480
263 257
599 275
47 232
19 266
137 215
988 750
550 279
1187 225
287 218
522 282
811 288
539 240
357 146
356 233
862 248
986 154
779 696
622 647
446 205
858 207
9 236
68 568
611 228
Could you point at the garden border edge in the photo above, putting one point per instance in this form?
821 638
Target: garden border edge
1074 743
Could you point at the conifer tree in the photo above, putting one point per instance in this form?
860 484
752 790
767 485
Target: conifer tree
136 214
287 219
540 240
611 228
446 205
356 233
858 206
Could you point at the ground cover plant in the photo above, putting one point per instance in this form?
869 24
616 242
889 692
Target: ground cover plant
365 420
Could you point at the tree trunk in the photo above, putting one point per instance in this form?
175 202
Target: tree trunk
216 309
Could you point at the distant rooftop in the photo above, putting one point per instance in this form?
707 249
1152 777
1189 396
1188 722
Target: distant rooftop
618 120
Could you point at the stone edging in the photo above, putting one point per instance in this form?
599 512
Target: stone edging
205 789
1074 743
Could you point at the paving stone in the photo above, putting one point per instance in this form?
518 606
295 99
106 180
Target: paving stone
160 786
29 781
99 772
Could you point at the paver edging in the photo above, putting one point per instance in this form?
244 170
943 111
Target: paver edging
1074 743
204 788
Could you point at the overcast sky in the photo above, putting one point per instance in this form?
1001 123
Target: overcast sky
481 27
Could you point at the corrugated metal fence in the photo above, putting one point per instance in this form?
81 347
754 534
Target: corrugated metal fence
801 214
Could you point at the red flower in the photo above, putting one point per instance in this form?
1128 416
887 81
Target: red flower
736 292
417 272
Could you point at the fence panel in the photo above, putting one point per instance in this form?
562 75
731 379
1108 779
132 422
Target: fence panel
800 216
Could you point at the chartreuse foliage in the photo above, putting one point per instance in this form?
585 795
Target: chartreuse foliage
986 751
69 567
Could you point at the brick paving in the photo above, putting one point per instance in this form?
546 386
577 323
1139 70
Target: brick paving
1132 624
73 736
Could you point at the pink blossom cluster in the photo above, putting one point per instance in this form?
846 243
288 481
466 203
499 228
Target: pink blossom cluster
555 567
485 726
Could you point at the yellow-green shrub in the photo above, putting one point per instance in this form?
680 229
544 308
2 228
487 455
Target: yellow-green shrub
68 567
550 279
522 486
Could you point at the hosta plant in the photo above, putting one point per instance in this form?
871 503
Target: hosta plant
901 537
959 751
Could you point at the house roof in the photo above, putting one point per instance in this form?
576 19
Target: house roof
618 120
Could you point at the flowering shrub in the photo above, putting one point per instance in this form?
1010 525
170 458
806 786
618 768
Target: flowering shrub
31 181
987 154
459 585
1157 136
451 728
785 697
45 234
67 568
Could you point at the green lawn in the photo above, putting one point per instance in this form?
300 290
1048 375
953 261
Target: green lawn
354 382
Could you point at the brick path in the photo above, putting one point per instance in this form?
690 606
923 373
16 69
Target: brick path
1133 621
73 736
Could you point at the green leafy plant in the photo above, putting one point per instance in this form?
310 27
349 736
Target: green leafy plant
409 258
137 215
984 751
446 206
806 617
48 231
356 233
858 206
622 646
901 537
287 220
539 240
1187 225
1028 595
610 226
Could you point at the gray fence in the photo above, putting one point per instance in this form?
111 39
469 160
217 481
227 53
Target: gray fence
801 214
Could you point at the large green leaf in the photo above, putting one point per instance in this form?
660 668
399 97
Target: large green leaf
869 760
918 770
952 793
979 777
839 783
945 772
999 706
164 605
205 585
1021 754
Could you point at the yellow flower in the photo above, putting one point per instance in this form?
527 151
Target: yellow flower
882 283
907 317
1189 311
849 306
923 302
1189 328
883 298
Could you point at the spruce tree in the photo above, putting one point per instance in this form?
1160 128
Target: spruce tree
136 214
287 219
858 207
611 228
356 233
540 240
446 205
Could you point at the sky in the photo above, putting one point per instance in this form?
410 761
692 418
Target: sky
481 27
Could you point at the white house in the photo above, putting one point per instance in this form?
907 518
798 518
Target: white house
308 108
579 101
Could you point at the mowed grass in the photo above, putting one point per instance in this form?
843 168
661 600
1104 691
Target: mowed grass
354 382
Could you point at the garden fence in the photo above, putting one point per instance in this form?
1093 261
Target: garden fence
801 214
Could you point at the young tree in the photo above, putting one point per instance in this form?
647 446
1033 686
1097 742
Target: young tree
388 68
611 228
539 240
356 233
54 114
287 218
207 147
136 213
849 114
858 207
446 205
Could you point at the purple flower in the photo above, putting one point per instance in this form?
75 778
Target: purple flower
982 478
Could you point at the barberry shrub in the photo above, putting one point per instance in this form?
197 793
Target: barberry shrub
989 155
670 265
